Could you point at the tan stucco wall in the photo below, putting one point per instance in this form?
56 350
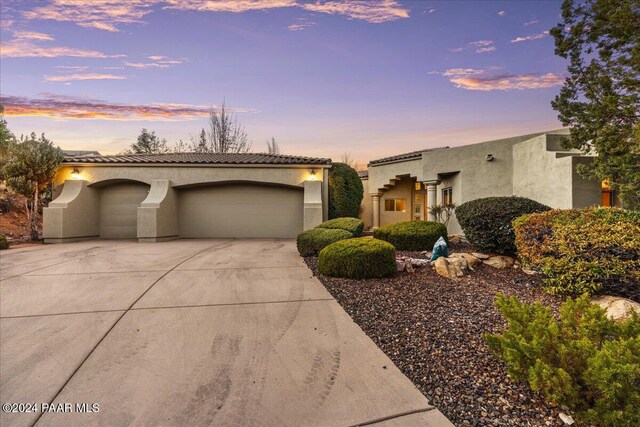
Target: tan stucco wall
455 183
402 190
379 175
366 207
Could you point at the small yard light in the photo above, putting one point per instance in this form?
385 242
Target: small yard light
75 174
312 176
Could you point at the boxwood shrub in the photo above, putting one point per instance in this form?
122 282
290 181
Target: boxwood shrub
412 235
4 244
584 361
352 225
582 250
487 222
310 242
345 191
358 258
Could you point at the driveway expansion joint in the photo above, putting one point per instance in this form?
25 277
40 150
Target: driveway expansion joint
393 417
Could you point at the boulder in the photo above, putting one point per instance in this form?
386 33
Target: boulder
617 308
417 262
454 239
451 268
400 265
499 261
408 266
472 261
479 255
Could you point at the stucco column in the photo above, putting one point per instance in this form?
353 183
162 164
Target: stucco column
158 213
312 204
74 215
376 210
432 197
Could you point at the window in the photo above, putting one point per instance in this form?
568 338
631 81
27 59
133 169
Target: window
607 194
397 205
447 196
418 186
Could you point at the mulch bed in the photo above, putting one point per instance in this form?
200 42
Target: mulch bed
431 328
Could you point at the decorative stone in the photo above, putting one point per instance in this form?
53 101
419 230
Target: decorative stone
567 419
529 272
499 261
400 265
452 267
408 266
479 255
617 308
473 261
454 239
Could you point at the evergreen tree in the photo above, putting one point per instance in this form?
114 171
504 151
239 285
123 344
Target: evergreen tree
148 143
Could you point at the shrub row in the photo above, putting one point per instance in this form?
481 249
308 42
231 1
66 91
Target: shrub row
311 242
487 222
582 250
412 235
358 258
584 361
352 225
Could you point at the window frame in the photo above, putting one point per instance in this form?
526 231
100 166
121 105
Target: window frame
448 190
394 203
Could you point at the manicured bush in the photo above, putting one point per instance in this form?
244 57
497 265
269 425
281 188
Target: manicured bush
584 361
487 223
358 258
582 250
352 225
310 242
4 244
345 191
412 235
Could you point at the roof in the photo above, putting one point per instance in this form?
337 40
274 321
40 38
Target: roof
405 156
363 174
74 153
201 159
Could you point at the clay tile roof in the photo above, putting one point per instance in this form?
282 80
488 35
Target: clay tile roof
201 158
363 174
405 156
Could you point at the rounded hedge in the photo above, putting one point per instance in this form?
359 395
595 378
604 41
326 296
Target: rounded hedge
310 242
582 250
345 191
412 235
4 244
352 225
487 222
359 258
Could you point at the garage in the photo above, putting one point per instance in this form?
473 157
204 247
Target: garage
119 209
244 210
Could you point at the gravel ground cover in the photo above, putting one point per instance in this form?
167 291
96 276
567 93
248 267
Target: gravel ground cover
431 327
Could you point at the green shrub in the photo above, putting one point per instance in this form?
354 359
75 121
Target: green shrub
358 258
345 191
4 244
412 235
582 250
584 361
352 225
310 242
487 223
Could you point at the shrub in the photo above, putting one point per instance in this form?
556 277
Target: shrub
4 244
584 361
582 250
310 242
412 235
345 191
487 223
352 225
358 258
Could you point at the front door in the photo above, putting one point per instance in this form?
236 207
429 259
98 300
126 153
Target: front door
418 207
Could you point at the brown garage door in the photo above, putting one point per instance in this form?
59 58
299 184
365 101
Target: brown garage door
119 209
240 210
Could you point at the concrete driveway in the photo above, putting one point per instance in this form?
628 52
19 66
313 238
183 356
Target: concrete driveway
189 332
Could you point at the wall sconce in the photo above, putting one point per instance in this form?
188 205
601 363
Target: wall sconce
75 174
312 175
489 157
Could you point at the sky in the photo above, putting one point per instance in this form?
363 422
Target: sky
322 77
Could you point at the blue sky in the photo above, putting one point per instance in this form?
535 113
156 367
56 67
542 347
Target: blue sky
373 78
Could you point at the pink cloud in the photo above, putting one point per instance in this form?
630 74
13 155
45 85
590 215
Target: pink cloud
17 48
70 107
530 37
31 35
370 11
87 76
483 80
480 46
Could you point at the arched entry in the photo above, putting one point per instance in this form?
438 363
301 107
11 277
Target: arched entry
240 210
119 203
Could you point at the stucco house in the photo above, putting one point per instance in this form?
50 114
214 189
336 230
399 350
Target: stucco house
405 186
154 197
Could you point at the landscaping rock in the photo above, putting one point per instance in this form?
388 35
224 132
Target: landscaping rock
499 261
400 265
408 266
529 272
455 239
453 267
472 260
567 419
480 255
617 308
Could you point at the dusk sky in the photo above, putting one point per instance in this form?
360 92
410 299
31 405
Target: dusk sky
373 78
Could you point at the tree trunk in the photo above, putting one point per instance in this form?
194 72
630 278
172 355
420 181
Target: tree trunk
33 221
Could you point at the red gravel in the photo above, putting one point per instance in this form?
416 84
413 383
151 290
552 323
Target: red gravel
431 327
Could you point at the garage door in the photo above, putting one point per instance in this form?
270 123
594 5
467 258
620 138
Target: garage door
119 209
240 210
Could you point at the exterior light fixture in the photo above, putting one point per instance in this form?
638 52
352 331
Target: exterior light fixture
312 175
75 174
489 157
